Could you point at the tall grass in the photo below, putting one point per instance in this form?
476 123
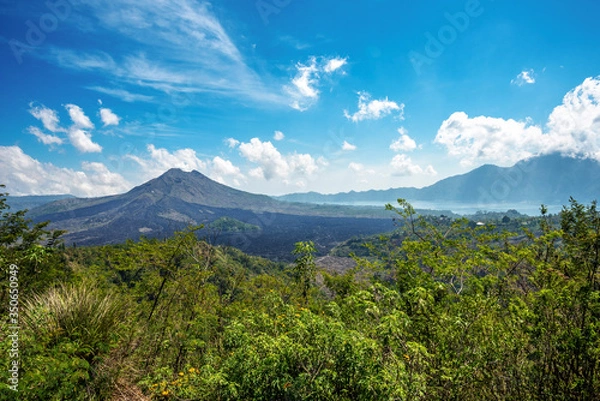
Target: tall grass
80 313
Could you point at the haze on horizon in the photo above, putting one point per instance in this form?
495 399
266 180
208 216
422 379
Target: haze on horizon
289 96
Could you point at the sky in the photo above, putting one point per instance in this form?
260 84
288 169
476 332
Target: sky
283 96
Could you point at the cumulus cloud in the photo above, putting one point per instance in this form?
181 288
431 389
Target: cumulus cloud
79 133
78 117
45 138
25 175
348 146
222 169
303 164
402 165
278 135
573 129
303 88
575 124
403 144
48 117
373 109
160 160
108 117
82 141
272 164
526 77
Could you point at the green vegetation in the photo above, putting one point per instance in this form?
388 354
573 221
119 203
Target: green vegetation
231 225
442 309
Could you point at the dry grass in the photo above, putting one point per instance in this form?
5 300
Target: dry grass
75 311
125 391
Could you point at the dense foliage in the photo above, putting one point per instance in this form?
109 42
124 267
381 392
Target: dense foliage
441 310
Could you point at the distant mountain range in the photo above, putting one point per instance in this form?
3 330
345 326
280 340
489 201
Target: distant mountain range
550 179
257 224
33 201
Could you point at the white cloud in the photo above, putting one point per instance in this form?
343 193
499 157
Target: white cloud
45 138
348 146
122 94
402 165
482 139
334 64
176 46
222 169
232 142
526 77
356 167
48 117
256 172
108 117
82 141
303 164
373 109
25 175
303 90
80 120
575 125
272 164
278 135
573 129
78 133
403 144
160 160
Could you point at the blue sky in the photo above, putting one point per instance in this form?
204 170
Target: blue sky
280 96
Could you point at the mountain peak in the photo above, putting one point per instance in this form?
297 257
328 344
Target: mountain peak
177 172
194 187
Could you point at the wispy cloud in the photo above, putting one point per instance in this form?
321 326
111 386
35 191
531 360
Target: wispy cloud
45 138
177 45
526 77
122 94
373 109
48 117
78 133
303 89
335 64
346 146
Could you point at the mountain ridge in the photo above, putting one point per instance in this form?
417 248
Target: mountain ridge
549 179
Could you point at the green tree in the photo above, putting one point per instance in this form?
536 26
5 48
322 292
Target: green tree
305 268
